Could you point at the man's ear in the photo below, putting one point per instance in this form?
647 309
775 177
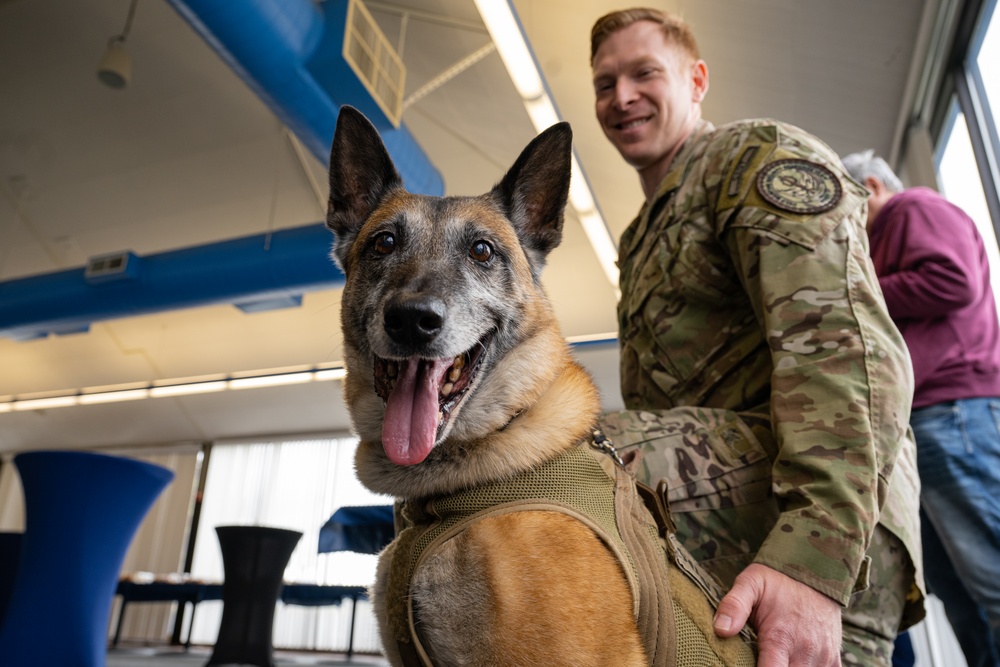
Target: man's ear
361 174
875 185
699 77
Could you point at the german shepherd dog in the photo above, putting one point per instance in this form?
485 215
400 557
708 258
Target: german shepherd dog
458 376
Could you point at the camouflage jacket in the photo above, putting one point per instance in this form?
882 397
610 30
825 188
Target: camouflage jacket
747 286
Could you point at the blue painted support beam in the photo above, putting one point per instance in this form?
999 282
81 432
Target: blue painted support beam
276 267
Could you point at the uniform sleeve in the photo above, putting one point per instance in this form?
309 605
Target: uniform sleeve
939 262
841 382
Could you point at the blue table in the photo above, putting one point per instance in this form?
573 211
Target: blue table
183 592
363 529
193 592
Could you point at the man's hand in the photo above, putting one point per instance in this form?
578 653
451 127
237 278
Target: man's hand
796 625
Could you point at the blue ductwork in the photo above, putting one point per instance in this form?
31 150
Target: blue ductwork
251 272
285 50
288 52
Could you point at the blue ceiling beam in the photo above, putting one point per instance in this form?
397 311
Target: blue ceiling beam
288 52
260 269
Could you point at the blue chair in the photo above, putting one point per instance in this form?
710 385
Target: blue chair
81 512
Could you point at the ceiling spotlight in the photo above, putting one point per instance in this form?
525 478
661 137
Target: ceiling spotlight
115 70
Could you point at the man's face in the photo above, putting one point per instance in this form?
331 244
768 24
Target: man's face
648 93
878 197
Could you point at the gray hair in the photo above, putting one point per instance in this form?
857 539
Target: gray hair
864 164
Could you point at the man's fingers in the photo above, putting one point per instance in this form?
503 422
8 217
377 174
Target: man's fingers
734 610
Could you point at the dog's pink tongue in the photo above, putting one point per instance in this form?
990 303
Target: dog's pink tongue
411 412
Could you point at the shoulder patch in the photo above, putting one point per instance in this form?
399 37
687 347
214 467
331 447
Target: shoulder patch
799 186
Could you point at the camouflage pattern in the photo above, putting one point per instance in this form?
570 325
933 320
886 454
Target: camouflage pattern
870 620
773 323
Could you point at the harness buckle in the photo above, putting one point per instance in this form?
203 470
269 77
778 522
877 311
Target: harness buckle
602 443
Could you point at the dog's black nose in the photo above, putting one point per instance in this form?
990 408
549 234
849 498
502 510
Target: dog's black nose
414 320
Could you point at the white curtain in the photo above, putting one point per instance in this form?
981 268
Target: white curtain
11 497
160 542
297 485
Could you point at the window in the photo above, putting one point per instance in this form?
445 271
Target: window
977 89
967 143
295 484
987 59
961 185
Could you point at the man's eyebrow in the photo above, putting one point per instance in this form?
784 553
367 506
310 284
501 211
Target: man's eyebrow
638 61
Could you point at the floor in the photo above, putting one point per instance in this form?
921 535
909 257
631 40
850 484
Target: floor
197 657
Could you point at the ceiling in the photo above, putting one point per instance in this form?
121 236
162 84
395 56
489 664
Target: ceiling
188 155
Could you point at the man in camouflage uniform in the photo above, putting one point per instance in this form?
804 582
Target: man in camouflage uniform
766 384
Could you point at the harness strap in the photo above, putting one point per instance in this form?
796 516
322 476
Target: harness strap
599 489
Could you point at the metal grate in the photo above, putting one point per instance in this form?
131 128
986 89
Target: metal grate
373 59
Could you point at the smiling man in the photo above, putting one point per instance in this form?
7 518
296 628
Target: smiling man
764 380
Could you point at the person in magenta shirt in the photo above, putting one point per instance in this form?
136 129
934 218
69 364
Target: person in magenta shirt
932 266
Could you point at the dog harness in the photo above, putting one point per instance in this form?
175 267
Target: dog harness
671 593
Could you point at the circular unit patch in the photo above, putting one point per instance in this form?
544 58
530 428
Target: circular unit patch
799 186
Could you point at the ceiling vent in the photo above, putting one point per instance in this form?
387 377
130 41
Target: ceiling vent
374 61
108 268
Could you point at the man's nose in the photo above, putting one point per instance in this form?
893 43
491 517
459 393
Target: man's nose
625 94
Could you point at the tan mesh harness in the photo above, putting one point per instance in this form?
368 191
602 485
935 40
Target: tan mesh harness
668 587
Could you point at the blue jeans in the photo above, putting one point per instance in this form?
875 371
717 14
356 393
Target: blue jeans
958 456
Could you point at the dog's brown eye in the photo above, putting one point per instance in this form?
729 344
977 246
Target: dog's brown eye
481 251
385 243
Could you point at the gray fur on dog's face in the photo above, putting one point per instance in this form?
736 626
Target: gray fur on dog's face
432 281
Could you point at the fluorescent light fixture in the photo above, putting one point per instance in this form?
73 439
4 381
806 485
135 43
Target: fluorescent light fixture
506 34
504 29
579 191
45 403
270 380
610 337
187 389
331 374
113 396
597 232
176 387
542 113
202 385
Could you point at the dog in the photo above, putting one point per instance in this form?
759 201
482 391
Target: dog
459 380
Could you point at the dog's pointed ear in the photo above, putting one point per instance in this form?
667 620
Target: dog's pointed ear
533 193
361 173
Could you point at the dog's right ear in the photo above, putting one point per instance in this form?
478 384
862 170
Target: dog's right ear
361 173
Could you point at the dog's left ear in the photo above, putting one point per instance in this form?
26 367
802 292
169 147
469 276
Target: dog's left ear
533 192
361 174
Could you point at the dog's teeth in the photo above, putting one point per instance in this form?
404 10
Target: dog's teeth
440 415
391 369
446 389
459 362
454 374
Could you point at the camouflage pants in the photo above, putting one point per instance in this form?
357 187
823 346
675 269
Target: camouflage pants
719 493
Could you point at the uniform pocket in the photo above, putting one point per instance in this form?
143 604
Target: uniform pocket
707 458
716 468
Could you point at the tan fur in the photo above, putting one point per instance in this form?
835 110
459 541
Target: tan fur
547 592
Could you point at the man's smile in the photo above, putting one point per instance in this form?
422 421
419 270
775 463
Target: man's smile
630 124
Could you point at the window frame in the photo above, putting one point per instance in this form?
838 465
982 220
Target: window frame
962 90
